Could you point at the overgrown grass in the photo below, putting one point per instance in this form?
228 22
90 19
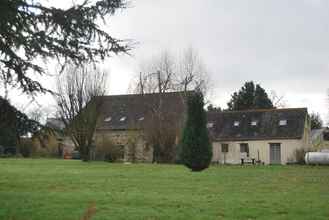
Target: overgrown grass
64 189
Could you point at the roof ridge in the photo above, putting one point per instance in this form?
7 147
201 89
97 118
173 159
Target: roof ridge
147 94
265 110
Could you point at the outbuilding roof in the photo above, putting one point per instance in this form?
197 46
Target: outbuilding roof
260 124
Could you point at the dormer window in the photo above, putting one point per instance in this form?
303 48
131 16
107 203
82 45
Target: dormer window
283 122
210 125
108 119
123 118
236 124
254 123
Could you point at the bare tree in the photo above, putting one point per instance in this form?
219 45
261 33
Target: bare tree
156 75
167 73
192 74
277 100
162 74
6 82
78 103
40 113
160 132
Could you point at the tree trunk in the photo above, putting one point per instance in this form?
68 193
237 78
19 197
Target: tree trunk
85 153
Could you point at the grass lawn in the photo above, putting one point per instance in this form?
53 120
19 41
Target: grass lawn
63 189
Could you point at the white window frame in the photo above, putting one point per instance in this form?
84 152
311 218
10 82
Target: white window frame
223 146
244 148
283 122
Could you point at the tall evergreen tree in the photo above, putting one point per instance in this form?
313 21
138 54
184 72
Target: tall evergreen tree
316 121
14 123
196 150
31 31
261 99
250 96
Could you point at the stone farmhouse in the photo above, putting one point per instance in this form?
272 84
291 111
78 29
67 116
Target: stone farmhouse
131 124
267 136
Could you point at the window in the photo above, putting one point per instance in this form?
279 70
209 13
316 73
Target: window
224 148
108 119
254 123
283 122
210 125
236 123
123 118
244 148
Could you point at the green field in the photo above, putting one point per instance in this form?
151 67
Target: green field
64 189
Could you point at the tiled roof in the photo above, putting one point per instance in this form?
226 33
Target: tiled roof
55 123
122 112
266 124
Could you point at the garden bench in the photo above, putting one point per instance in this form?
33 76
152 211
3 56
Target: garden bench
247 161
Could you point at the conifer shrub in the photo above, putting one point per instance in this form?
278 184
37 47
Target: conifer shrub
196 150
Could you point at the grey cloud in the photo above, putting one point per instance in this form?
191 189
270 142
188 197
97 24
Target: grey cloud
281 44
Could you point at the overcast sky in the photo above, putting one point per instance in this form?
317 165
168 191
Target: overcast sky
281 44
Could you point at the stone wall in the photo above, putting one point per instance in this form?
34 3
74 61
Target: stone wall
53 145
134 147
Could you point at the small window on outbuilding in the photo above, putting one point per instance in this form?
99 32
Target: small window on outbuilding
244 148
236 123
224 148
123 118
283 122
254 123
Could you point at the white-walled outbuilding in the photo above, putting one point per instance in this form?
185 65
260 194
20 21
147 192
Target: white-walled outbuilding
271 136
